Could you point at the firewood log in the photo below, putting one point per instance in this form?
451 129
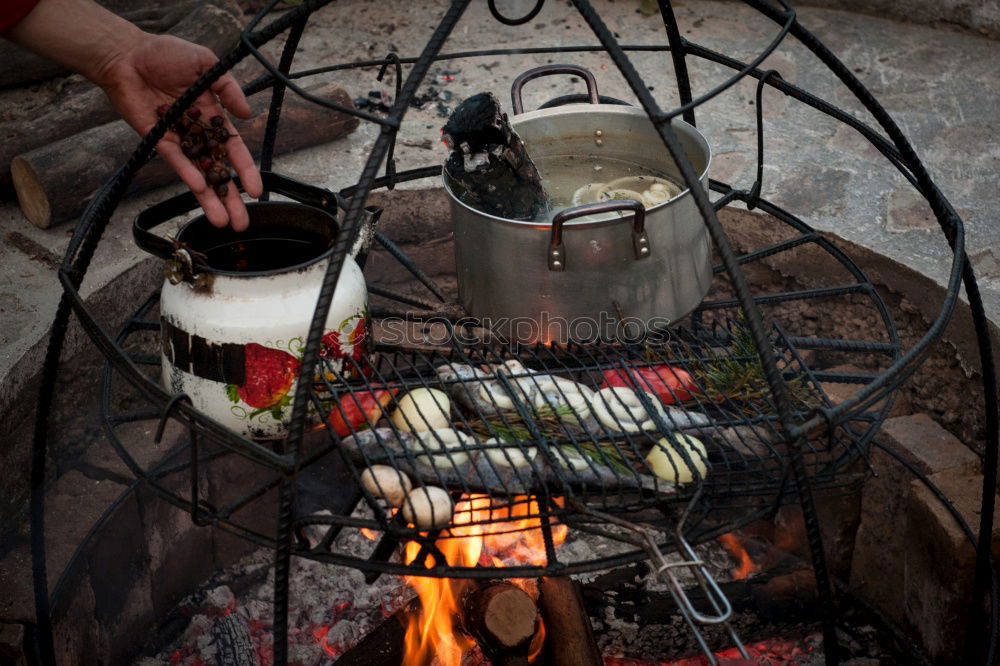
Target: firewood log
503 619
54 183
569 637
501 616
216 24
19 66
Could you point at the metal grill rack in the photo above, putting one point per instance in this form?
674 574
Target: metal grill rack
782 447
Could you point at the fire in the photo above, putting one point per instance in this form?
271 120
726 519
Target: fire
537 643
482 535
747 566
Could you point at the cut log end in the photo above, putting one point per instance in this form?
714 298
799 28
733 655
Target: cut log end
503 619
30 193
510 616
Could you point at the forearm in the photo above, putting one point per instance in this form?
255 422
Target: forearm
78 34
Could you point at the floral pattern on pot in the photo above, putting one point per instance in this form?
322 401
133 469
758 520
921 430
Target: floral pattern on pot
272 368
349 341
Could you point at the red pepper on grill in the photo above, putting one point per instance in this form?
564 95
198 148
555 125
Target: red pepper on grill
356 410
668 383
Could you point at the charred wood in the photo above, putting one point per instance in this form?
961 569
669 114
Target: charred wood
489 166
233 645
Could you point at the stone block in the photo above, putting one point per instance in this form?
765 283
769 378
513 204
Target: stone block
17 602
880 539
413 216
839 516
120 579
908 211
939 562
102 461
12 648
72 507
232 477
179 559
436 257
76 634
925 444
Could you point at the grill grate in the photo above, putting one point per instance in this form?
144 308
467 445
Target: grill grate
746 458
546 408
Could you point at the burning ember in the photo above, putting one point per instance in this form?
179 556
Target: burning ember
772 652
334 610
482 535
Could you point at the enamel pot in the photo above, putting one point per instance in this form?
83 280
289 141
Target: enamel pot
602 270
235 308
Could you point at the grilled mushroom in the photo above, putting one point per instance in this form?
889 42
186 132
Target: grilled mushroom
386 482
428 506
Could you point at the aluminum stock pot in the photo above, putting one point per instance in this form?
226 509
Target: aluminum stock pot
235 308
592 269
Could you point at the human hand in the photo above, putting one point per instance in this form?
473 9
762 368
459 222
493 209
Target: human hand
150 70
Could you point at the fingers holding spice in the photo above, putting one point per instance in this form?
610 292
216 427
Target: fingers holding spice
204 143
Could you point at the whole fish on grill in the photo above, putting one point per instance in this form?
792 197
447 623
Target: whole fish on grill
489 166
480 393
468 466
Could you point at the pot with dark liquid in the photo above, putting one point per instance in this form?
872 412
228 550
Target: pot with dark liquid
236 307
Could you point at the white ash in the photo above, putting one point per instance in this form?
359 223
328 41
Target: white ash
332 608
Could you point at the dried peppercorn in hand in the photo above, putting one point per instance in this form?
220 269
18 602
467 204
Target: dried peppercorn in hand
205 145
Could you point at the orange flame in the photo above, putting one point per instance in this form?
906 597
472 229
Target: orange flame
747 566
483 535
537 643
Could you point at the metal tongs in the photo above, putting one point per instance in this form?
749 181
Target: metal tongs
722 610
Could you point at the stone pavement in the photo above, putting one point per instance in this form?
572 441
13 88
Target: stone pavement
939 84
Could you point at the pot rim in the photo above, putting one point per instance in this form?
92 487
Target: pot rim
202 220
590 109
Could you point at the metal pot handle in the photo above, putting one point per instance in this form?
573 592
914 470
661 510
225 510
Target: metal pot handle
183 203
640 241
545 70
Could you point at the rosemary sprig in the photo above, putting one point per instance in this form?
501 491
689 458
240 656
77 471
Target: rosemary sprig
511 428
603 454
738 378
551 423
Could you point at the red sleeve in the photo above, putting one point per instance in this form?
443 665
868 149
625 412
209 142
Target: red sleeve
12 11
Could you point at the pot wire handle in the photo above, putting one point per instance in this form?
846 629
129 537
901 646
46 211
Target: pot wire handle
184 203
640 240
546 70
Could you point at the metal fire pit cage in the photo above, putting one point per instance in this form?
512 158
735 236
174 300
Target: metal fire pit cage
530 455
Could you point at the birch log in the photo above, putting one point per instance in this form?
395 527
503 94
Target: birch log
212 24
56 182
